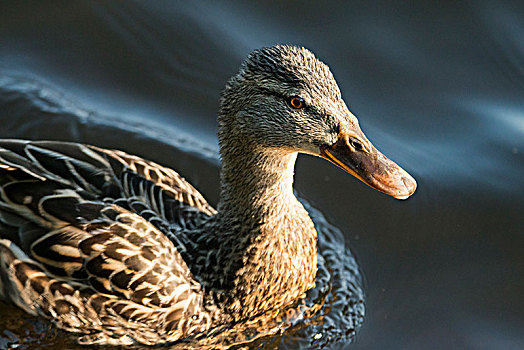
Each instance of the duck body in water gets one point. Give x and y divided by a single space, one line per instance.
125 251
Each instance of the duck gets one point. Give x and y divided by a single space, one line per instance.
120 250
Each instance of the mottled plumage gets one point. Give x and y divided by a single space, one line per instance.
123 250
85 242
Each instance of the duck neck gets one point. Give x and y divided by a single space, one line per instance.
256 185
266 242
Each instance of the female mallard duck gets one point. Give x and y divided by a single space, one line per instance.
123 250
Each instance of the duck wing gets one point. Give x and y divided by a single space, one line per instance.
75 249
129 168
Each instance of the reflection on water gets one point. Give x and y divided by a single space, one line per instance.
438 87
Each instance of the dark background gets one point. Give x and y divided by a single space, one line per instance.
438 87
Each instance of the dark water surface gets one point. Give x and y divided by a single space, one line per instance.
438 87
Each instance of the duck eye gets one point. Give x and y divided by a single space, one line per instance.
297 102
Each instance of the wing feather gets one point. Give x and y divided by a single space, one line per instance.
83 242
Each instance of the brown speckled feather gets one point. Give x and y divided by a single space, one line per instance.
70 252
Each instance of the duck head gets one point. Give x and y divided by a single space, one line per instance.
285 99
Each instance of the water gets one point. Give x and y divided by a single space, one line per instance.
438 87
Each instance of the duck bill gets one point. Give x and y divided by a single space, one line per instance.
370 166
